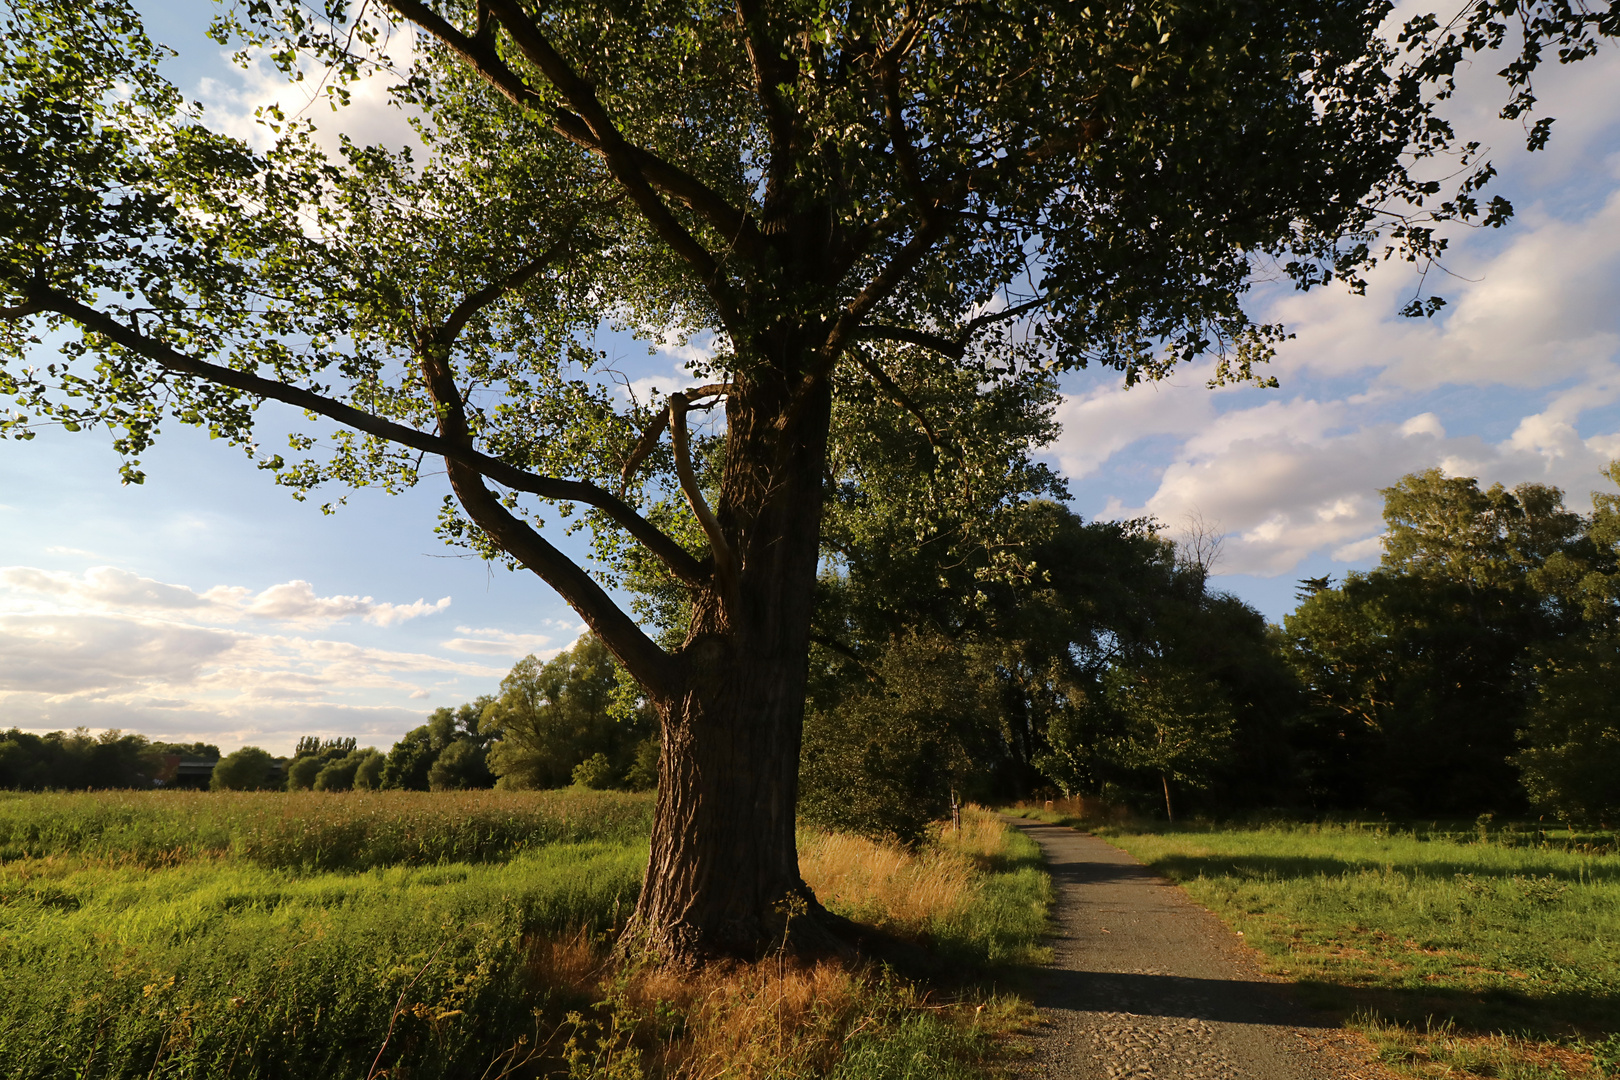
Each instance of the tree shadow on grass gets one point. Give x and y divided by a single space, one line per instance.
1496 1011
1318 1004
1293 867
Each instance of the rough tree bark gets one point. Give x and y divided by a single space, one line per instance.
724 870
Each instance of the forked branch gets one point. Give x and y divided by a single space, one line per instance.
655 431
663 176
725 558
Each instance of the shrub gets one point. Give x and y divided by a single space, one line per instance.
248 769
597 772
643 771
461 766
368 775
301 773
884 760
552 717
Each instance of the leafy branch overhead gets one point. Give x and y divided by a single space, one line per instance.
1049 173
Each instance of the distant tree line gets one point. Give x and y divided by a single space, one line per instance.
65 760
983 646
1476 669
571 720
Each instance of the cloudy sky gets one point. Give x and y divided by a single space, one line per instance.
208 604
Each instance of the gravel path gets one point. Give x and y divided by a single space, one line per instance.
1147 985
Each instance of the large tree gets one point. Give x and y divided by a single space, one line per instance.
1421 670
848 195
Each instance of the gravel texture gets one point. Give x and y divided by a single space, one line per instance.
1147 985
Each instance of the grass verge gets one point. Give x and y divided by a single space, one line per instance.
1456 954
415 937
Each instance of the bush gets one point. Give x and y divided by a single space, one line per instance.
248 769
301 773
552 717
339 775
643 772
596 772
368 776
461 766
884 760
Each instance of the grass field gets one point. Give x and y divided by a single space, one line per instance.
1492 953
453 935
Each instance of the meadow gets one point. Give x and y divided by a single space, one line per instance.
1485 951
414 935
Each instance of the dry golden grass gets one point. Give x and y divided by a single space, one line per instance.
783 1018
897 889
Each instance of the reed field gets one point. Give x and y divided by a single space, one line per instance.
415 935
1484 950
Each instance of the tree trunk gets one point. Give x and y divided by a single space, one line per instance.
1168 815
723 879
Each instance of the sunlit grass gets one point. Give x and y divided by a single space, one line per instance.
198 935
313 830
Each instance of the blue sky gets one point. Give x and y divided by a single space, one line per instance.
208 604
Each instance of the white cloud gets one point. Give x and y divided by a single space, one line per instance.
100 587
77 654
370 118
1361 550
1424 424
1518 379
294 602
110 648
1290 479
492 642
1099 424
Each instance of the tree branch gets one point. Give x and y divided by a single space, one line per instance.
949 347
827 641
622 161
652 666
682 564
655 431
478 51
882 378
877 290
942 345
769 71
643 447
473 303
18 311
905 153
664 176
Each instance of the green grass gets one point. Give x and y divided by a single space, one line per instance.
1007 920
266 935
1496 955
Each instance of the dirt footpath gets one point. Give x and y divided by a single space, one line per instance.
1146 984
